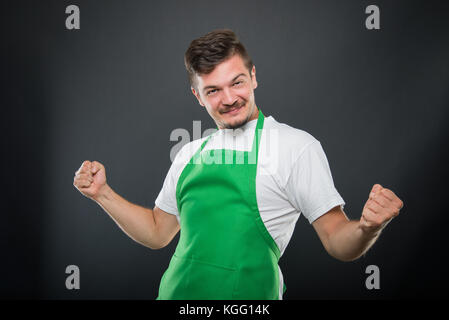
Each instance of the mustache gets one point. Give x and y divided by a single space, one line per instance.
236 104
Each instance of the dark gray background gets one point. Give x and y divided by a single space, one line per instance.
114 90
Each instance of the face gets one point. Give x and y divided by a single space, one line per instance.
227 93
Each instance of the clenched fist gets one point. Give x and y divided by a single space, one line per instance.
382 206
90 179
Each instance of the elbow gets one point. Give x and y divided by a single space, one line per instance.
155 246
343 257
347 259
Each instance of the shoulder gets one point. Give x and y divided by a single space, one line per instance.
291 142
188 150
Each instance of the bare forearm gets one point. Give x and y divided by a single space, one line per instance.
136 221
350 241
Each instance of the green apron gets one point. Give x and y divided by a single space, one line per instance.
224 251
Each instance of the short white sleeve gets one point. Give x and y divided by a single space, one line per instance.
166 200
310 187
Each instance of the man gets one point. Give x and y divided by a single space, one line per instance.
237 194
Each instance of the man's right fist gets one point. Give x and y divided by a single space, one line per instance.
90 179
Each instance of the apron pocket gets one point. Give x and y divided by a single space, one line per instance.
173 282
208 281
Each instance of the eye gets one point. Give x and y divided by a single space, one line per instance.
237 83
211 92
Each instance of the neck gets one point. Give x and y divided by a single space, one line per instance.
255 114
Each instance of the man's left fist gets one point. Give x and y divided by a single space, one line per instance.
382 206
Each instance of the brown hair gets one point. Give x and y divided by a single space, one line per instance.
210 50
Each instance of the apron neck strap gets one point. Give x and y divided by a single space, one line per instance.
258 134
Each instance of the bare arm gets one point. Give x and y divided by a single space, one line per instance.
347 240
151 228
342 238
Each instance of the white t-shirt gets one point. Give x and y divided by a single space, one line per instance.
293 175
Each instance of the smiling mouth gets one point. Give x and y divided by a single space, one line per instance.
234 109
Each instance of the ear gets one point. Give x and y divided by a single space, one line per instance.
197 96
253 77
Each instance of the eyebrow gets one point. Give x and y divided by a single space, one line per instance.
233 79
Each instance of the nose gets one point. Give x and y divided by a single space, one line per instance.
228 98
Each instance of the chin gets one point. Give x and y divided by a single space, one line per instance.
236 123
238 120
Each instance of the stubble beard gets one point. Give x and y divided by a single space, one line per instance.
241 123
